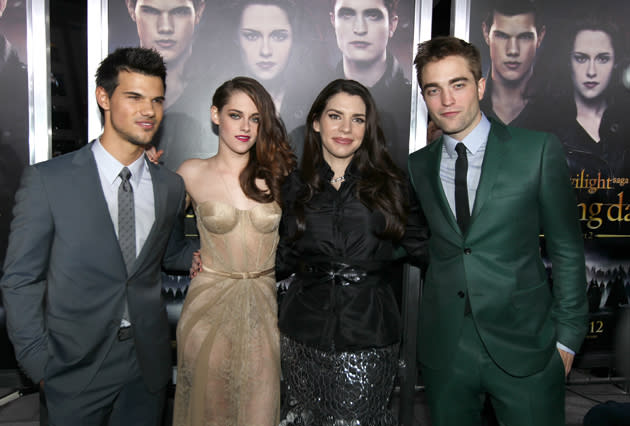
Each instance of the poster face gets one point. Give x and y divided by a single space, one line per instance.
563 68
293 47
13 110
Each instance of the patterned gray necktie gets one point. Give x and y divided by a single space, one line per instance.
126 219
126 224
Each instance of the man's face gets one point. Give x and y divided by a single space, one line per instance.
513 41
167 26
363 29
134 111
452 95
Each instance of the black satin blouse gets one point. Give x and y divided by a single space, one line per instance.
341 296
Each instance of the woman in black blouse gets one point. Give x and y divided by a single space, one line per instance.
347 211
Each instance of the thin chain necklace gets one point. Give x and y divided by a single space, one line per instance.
338 179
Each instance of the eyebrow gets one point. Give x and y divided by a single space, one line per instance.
372 10
346 10
517 35
451 81
241 112
342 113
132 93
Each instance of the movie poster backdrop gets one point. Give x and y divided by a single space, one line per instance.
290 46
582 60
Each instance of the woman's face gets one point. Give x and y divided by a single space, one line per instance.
341 126
265 36
238 122
592 62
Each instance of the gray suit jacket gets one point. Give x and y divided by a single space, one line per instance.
63 254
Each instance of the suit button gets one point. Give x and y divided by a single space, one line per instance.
467 250
461 294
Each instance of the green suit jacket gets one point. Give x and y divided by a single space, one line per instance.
524 190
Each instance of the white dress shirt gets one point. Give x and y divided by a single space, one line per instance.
143 200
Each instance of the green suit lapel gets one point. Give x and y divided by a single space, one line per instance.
433 173
492 163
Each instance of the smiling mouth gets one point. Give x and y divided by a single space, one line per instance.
243 138
146 125
343 141
265 65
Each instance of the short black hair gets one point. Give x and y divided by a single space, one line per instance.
131 59
512 8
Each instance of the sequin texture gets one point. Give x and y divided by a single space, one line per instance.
337 388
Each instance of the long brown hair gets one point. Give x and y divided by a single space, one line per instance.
271 158
382 184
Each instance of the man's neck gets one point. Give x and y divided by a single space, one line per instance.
367 73
508 99
123 151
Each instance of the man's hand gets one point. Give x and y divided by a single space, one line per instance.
567 360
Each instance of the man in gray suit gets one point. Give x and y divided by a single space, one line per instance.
82 275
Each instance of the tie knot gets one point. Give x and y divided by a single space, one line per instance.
125 174
460 148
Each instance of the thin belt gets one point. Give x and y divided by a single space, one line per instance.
240 275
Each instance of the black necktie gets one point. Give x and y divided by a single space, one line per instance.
462 210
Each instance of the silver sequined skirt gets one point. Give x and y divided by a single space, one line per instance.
337 388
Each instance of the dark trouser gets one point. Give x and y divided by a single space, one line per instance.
456 393
117 395
609 413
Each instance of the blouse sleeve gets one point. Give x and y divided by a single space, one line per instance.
286 254
415 241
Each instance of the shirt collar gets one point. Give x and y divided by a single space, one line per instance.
111 167
473 141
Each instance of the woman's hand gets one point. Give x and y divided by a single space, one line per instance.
153 154
196 264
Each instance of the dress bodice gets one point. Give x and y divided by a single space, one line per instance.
234 240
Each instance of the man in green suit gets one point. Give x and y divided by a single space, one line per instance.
490 321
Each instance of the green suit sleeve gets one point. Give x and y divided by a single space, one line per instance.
565 246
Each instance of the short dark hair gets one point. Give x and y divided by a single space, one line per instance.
441 47
131 59
512 8
390 5
196 3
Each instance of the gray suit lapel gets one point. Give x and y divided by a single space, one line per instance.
88 186
160 205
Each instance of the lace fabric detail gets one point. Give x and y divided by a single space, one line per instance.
228 341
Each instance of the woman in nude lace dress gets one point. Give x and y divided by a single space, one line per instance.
228 370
